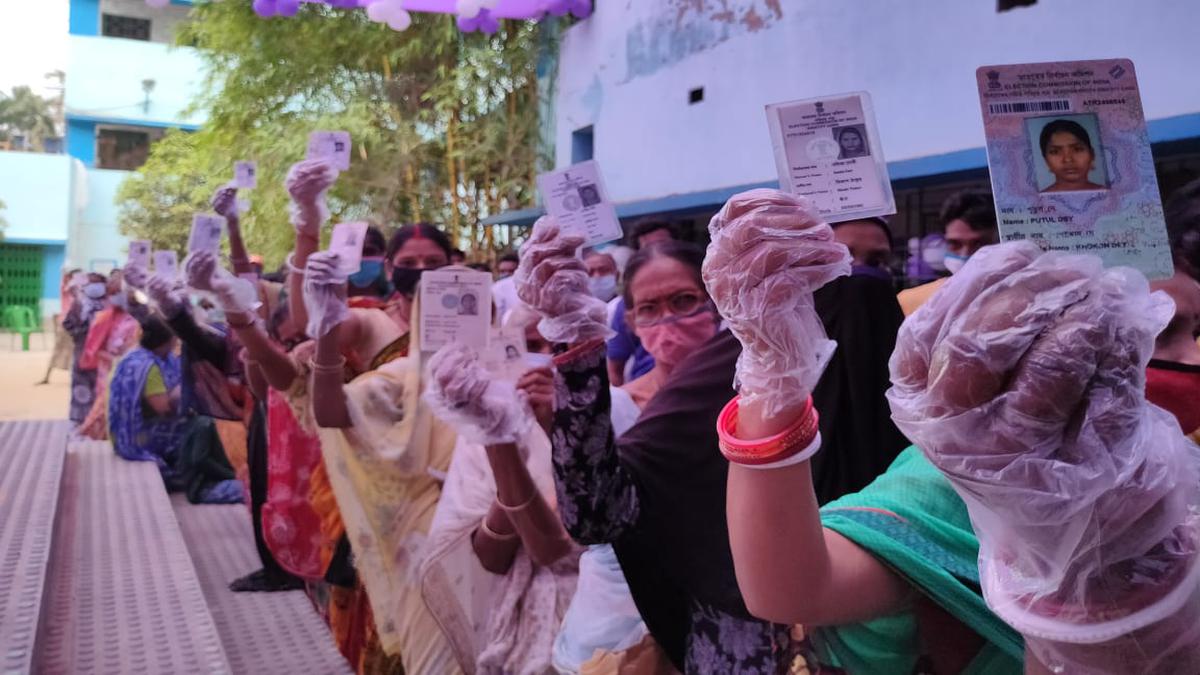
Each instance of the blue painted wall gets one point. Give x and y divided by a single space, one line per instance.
81 141
52 262
85 17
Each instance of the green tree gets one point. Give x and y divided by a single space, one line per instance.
445 126
24 113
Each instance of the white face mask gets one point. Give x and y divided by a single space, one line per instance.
119 299
604 287
954 262
95 290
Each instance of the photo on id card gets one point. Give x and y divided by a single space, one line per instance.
577 200
827 149
1070 161
456 306
207 229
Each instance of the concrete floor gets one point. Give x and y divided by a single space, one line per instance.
20 397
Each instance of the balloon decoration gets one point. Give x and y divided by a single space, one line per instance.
472 15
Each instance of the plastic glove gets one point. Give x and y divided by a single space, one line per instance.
464 394
769 252
164 293
324 293
1023 381
552 280
307 182
235 294
224 201
200 269
135 276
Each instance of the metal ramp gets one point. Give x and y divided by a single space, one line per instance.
123 595
267 633
31 469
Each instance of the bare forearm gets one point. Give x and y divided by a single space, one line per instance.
497 545
237 247
306 245
257 381
328 392
537 524
789 568
616 373
275 366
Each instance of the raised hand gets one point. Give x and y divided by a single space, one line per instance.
324 293
463 393
307 183
1023 381
769 252
552 280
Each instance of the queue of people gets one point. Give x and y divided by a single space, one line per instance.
739 459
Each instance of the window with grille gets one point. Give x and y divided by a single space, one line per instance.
125 27
121 149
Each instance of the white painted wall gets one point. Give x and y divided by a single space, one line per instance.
628 69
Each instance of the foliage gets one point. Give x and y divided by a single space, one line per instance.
24 113
445 125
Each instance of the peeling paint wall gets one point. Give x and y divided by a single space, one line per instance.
628 71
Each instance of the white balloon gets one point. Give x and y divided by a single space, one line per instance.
400 20
379 11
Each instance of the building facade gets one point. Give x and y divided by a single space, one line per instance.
125 86
668 96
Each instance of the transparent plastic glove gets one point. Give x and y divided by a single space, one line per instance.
166 295
235 294
478 405
200 269
553 281
324 293
769 251
307 182
135 277
1023 381
224 201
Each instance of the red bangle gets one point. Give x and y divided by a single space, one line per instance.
798 436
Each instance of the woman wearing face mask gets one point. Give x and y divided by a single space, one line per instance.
382 448
669 310
113 333
370 282
657 494
89 302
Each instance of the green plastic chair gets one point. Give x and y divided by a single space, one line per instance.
20 320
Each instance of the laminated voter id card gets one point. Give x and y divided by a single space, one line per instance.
1070 161
347 242
330 145
139 254
245 175
827 149
456 307
166 265
577 199
207 229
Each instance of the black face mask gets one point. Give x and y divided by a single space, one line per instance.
404 280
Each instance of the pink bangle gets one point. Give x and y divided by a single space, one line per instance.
792 440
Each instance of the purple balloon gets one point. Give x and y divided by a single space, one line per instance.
581 8
264 8
287 7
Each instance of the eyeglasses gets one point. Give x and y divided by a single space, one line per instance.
681 306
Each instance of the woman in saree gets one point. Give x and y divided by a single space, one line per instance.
500 571
383 452
149 422
1043 483
112 334
90 299
657 492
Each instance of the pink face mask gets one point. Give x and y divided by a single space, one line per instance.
672 340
